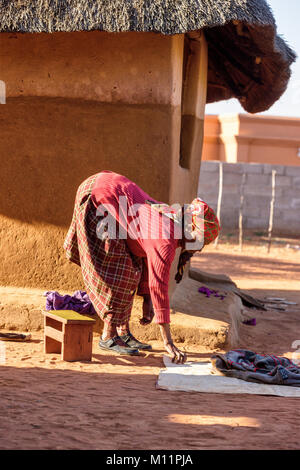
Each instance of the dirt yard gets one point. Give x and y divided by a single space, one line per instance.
112 402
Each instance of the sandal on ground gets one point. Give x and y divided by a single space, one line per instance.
14 337
117 345
132 342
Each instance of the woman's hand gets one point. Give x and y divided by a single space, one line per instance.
177 356
148 312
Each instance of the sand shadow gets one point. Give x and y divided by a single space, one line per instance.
68 409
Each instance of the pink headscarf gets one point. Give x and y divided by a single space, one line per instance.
205 224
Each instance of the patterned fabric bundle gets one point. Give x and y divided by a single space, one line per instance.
260 368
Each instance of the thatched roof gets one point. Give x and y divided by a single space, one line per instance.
247 59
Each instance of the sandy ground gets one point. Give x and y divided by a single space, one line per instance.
112 402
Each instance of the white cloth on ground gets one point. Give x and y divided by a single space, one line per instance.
198 377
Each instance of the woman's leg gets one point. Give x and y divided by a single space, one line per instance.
111 340
109 331
126 336
111 275
123 329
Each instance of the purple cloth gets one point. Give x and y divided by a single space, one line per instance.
208 292
79 302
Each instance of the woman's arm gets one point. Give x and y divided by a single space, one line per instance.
159 264
177 356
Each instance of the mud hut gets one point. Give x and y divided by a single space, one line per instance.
120 85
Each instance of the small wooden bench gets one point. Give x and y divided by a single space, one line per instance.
69 333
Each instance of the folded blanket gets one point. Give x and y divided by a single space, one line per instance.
259 368
79 302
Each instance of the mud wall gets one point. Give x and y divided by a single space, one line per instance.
78 103
44 160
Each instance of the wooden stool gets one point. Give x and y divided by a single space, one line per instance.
69 333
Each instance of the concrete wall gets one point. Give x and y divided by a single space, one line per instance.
252 139
78 103
257 195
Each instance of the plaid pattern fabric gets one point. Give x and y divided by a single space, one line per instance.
110 272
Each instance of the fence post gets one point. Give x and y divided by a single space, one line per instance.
219 197
272 203
242 188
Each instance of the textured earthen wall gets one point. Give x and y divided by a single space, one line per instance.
106 67
43 162
78 103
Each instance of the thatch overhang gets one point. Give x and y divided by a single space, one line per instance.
247 59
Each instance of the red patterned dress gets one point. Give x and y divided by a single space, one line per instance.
114 269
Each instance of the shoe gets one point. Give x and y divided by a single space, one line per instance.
132 342
114 345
